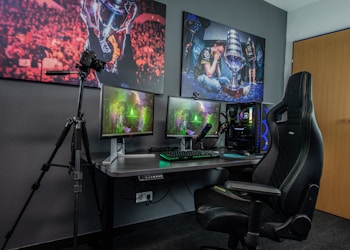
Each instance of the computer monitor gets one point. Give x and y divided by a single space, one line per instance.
186 117
124 113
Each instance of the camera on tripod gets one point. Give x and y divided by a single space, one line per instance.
88 60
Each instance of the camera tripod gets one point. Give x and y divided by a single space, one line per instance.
79 138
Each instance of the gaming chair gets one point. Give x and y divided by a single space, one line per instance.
279 202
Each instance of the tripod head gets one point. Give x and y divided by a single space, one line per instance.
87 61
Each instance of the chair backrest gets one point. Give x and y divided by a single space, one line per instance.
294 159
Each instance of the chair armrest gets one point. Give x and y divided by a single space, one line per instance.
253 189
257 193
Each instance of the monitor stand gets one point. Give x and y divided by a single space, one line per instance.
117 149
183 144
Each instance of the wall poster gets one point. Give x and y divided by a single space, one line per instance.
44 35
220 62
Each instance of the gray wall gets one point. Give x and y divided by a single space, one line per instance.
33 116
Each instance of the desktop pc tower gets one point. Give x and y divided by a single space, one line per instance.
247 129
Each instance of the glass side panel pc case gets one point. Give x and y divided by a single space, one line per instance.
244 125
125 112
186 117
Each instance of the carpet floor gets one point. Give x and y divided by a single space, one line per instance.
181 232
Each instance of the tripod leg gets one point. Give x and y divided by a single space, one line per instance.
36 185
78 176
91 167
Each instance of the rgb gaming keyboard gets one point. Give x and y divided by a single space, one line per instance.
188 155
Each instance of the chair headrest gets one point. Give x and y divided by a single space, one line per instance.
298 88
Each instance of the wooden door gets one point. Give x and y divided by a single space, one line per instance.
327 58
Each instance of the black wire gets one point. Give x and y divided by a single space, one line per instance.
121 144
183 143
130 141
166 193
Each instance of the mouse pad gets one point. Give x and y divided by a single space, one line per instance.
239 156
233 155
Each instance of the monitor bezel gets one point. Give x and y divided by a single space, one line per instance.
126 134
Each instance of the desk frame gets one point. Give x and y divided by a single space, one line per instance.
131 167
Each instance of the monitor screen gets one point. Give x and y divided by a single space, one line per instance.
186 117
125 112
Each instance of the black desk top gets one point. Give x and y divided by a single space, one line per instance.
127 166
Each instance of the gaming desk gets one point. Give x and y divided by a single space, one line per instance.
150 166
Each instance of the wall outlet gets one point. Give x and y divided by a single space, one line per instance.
144 197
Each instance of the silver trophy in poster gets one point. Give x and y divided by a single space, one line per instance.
234 56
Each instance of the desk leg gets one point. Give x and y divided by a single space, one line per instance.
108 214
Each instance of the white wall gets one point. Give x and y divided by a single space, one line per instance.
322 17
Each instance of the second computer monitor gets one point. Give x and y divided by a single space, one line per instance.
186 117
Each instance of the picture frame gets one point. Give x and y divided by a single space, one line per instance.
42 36
237 75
